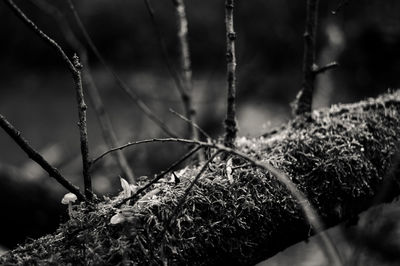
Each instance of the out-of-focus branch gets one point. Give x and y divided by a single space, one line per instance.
186 68
121 84
230 120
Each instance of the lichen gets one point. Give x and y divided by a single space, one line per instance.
339 160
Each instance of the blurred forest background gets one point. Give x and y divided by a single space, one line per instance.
37 93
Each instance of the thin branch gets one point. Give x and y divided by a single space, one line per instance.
186 66
75 69
230 121
205 134
106 127
303 102
171 69
35 156
130 92
309 212
41 34
82 107
159 176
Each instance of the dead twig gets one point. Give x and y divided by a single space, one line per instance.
186 66
121 84
82 107
106 127
75 69
171 69
35 156
205 134
303 102
230 121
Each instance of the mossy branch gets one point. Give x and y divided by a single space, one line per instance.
339 161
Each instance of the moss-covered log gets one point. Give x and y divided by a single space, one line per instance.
339 160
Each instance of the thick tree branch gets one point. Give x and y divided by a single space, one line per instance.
339 161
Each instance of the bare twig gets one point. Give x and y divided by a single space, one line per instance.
35 156
205 134
230 121
82 107
159 176
186 65
93 92
40 33
121 84
303 102
171 69
75 69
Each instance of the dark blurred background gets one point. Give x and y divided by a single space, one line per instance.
38 97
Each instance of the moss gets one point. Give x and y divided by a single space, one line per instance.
338 160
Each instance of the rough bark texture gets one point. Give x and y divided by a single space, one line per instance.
230 121
339 161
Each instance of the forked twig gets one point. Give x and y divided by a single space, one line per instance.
75 69
121 84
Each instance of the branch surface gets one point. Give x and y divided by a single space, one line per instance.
339 161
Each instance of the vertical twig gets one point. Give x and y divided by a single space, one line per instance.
82 107
303 102
35 156
186 65
75 68
171 69
106 127
230 121
121 84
